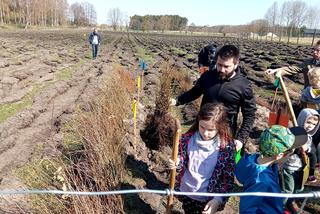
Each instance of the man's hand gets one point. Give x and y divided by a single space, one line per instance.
172 164
270 71
173 102
238 144
277 72
211 207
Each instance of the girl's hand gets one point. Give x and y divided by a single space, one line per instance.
238 144
211 207
305 147
172 164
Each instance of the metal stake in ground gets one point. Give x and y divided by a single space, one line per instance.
174 157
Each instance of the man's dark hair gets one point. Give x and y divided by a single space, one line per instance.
318 42
229 51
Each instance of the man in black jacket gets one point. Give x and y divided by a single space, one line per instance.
228 84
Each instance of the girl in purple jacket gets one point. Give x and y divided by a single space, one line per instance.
206 160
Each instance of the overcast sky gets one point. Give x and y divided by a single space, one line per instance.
200 12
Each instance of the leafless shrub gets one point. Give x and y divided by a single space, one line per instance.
93 158
160 126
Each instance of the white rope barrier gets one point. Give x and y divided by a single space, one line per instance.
313 194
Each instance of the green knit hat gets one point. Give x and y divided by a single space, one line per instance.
278 139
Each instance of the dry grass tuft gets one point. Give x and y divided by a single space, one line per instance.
95 161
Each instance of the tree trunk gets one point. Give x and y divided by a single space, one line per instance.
289 35
280 34
313 36
1 16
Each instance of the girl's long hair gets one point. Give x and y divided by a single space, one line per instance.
217 114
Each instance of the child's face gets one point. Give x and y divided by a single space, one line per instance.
311 123
207 129
315 84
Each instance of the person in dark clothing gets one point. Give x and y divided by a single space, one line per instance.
228 84
94 40
206 57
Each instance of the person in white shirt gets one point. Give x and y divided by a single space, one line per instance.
94 40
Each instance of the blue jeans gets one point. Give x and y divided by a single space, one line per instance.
94 51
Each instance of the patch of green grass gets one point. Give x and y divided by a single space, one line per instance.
88 55
264 64
190 56
39 174
64 74
71 141
142 53
55 58
178 51
10 109
264 93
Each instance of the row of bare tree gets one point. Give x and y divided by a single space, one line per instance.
291 18
83 14
46 13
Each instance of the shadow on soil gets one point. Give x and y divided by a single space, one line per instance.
132 202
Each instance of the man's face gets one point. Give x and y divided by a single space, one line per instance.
226 67
316 52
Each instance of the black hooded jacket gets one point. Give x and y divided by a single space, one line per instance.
234 93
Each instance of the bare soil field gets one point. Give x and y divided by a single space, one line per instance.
46 75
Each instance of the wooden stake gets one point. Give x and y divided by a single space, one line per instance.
174 157
287 98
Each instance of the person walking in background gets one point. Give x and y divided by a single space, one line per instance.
206 161
259 172
226 83
94 40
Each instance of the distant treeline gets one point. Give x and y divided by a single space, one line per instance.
46 13
159 23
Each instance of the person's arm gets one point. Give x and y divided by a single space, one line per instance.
99 39
287 70
248 109
195 92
